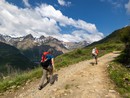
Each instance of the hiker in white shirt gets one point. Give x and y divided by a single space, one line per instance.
95 54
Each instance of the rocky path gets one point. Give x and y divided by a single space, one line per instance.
81 80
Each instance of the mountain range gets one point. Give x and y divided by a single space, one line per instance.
21 42
29 49
33 47
22 52
19 53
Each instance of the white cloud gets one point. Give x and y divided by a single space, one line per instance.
80 35
63 3
127 6
21 22
51 12
119 4
44 20
115 3
26 3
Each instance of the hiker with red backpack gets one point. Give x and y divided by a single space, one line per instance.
95 54
47 63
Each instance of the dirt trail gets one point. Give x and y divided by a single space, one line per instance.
81 80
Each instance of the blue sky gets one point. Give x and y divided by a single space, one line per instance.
67 20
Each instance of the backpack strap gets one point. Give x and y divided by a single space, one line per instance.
44 56
97 51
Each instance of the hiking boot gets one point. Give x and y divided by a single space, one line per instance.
40 87
52 82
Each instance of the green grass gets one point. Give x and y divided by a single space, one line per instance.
121 77
19 80
118 73
85 53
60 61
64 60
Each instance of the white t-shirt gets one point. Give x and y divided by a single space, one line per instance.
93 51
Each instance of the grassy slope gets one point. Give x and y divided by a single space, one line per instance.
120 73
108 44
121 77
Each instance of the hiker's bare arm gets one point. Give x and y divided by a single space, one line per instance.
53 63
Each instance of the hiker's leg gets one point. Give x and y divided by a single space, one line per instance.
43 77
96 59
47 77
51 74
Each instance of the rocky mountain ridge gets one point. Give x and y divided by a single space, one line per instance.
33 47
19 41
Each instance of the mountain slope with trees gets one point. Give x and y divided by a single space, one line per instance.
124 58
119 69
11 60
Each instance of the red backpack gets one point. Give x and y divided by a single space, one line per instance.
97 51
44 56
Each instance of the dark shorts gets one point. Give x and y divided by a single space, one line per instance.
46 63
47 66
94 56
